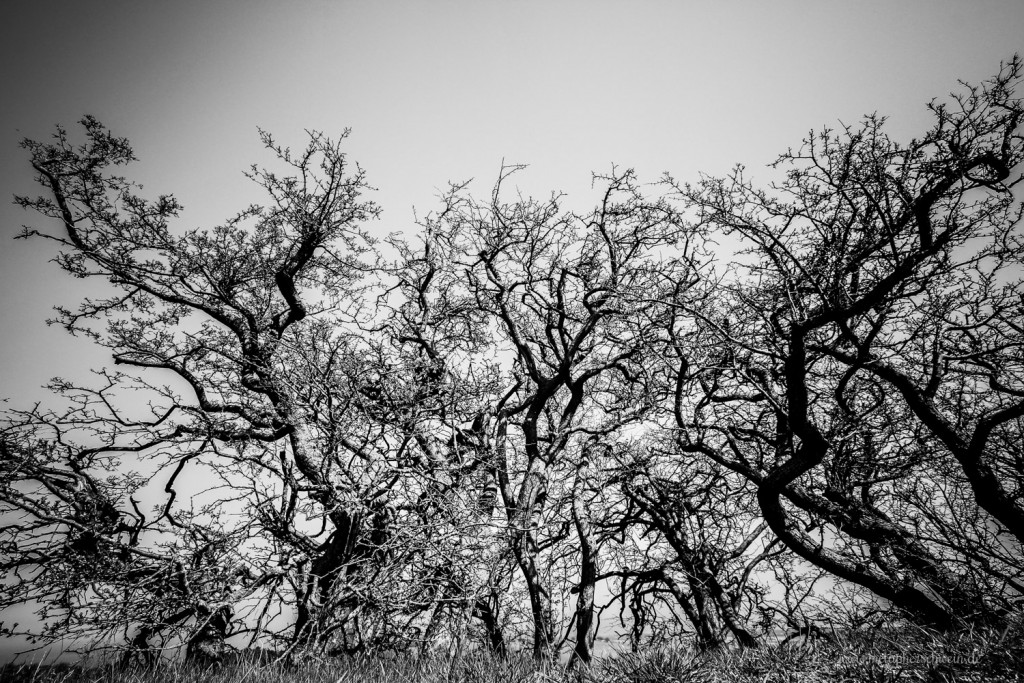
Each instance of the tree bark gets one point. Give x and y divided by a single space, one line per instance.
588 566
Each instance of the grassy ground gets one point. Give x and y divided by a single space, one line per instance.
882 658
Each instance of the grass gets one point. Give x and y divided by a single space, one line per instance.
880 657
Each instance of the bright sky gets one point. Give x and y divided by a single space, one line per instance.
446 90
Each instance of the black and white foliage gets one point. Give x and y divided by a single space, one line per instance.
526 426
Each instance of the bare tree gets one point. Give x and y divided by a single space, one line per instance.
572 302
702 543
873 266
218 317
528 416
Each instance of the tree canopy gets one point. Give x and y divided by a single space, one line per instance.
709 410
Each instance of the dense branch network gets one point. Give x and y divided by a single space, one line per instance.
526 426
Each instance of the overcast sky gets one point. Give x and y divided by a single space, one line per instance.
438 91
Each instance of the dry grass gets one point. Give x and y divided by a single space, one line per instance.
880 657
